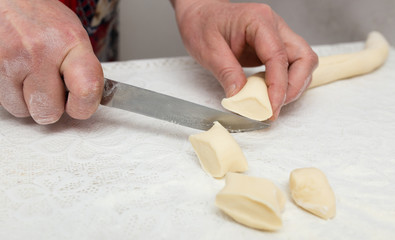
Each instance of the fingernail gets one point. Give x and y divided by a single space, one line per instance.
283 103
307 82
231 90
275 115
277 112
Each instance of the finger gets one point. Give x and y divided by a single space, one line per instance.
11 97
299 79
12 74
272 53
84 79
302 60
220 60
44 95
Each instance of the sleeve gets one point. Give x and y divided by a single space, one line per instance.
100 19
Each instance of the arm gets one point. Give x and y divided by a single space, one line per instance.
43 49
224 37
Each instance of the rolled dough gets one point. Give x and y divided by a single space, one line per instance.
218 151
253 101
251 201
336 67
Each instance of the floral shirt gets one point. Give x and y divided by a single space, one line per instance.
100 19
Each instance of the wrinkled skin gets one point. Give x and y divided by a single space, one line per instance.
43 50
224 37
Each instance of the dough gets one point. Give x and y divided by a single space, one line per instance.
310 190
336 67
218 152
251 201
252 101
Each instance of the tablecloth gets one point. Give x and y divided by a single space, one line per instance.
120 175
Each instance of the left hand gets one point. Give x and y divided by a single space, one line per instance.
224 37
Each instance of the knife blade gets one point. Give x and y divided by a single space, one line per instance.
153 104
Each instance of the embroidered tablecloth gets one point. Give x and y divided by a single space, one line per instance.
120 175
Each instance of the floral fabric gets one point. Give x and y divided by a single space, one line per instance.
100 19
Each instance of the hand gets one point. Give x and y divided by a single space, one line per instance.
224 37
43 49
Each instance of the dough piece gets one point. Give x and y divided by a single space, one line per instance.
310 190
251 201
218 152
252 101
336 67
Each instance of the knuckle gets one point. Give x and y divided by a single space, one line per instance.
91 89
78 35
311 58
35 45
225 75
308 55
84 101
264 9
261 8
53 40
280 56
257 14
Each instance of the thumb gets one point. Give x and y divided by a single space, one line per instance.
83 76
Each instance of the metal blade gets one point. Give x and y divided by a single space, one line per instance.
171 109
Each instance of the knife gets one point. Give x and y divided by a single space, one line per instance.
152 104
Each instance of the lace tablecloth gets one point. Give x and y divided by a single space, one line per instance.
120 175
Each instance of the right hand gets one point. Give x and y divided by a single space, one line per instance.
44 49
225 36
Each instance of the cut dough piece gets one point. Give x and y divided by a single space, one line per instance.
252 101
310 190
336 67
218 151
251 201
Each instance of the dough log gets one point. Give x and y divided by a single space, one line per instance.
336 67
253 101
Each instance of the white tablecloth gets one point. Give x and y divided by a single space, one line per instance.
120 175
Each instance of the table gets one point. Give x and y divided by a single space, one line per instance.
120 175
